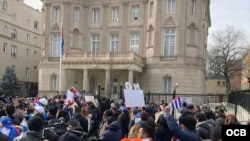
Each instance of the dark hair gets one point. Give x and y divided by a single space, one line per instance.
147 129
52 109
200 116
35 123
73 123
188 121
10 109
110 119
108 113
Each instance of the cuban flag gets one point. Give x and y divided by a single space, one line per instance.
62 42
176 103
75 92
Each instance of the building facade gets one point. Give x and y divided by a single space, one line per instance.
21 41
156 43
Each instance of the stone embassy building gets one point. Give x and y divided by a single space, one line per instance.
156 43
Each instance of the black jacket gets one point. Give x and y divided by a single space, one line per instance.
73 135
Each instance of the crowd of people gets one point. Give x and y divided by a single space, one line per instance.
57 119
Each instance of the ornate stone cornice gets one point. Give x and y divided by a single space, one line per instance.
125 3
66 3
85 6
47 5
105 5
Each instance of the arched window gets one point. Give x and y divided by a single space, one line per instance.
192 34
150 35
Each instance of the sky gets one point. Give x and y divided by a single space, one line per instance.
223 13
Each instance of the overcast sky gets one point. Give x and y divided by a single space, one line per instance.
223 12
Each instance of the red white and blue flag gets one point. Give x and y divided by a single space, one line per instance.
176 103
75 92
62 42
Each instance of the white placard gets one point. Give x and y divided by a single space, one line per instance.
69 96
90 98
188 100
134 98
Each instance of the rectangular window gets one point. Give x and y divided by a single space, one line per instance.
169 42
135 12
56 13
35 55
96 13
28 37
223 83
167 85
13 51
53 81
114 43
134 42
5 29
5 47
56 44
218 84
35 40
27 72
27 53
36 25
95 43
193 6
170 6
115 14
76 14
4 5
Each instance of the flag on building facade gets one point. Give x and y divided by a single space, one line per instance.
62 42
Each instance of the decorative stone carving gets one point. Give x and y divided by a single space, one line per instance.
170 21
56 27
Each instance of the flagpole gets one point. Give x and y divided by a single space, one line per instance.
60 64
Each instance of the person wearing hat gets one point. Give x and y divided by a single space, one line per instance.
8 129
220 115
73 133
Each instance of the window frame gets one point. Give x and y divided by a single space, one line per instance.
135 42
114 42
95 15
169 42
95 43
135 12
76 14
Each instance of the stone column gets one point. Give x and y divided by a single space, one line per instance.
64 80
130 76
85 80
107 83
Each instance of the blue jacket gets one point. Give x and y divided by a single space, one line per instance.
113 132
177 132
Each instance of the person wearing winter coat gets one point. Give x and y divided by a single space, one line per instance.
113 131
74 131
187 131
202 127
35 125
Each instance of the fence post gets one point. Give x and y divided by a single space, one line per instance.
236 104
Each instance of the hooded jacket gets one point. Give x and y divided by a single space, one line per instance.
113 132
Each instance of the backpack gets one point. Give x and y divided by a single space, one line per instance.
14 132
